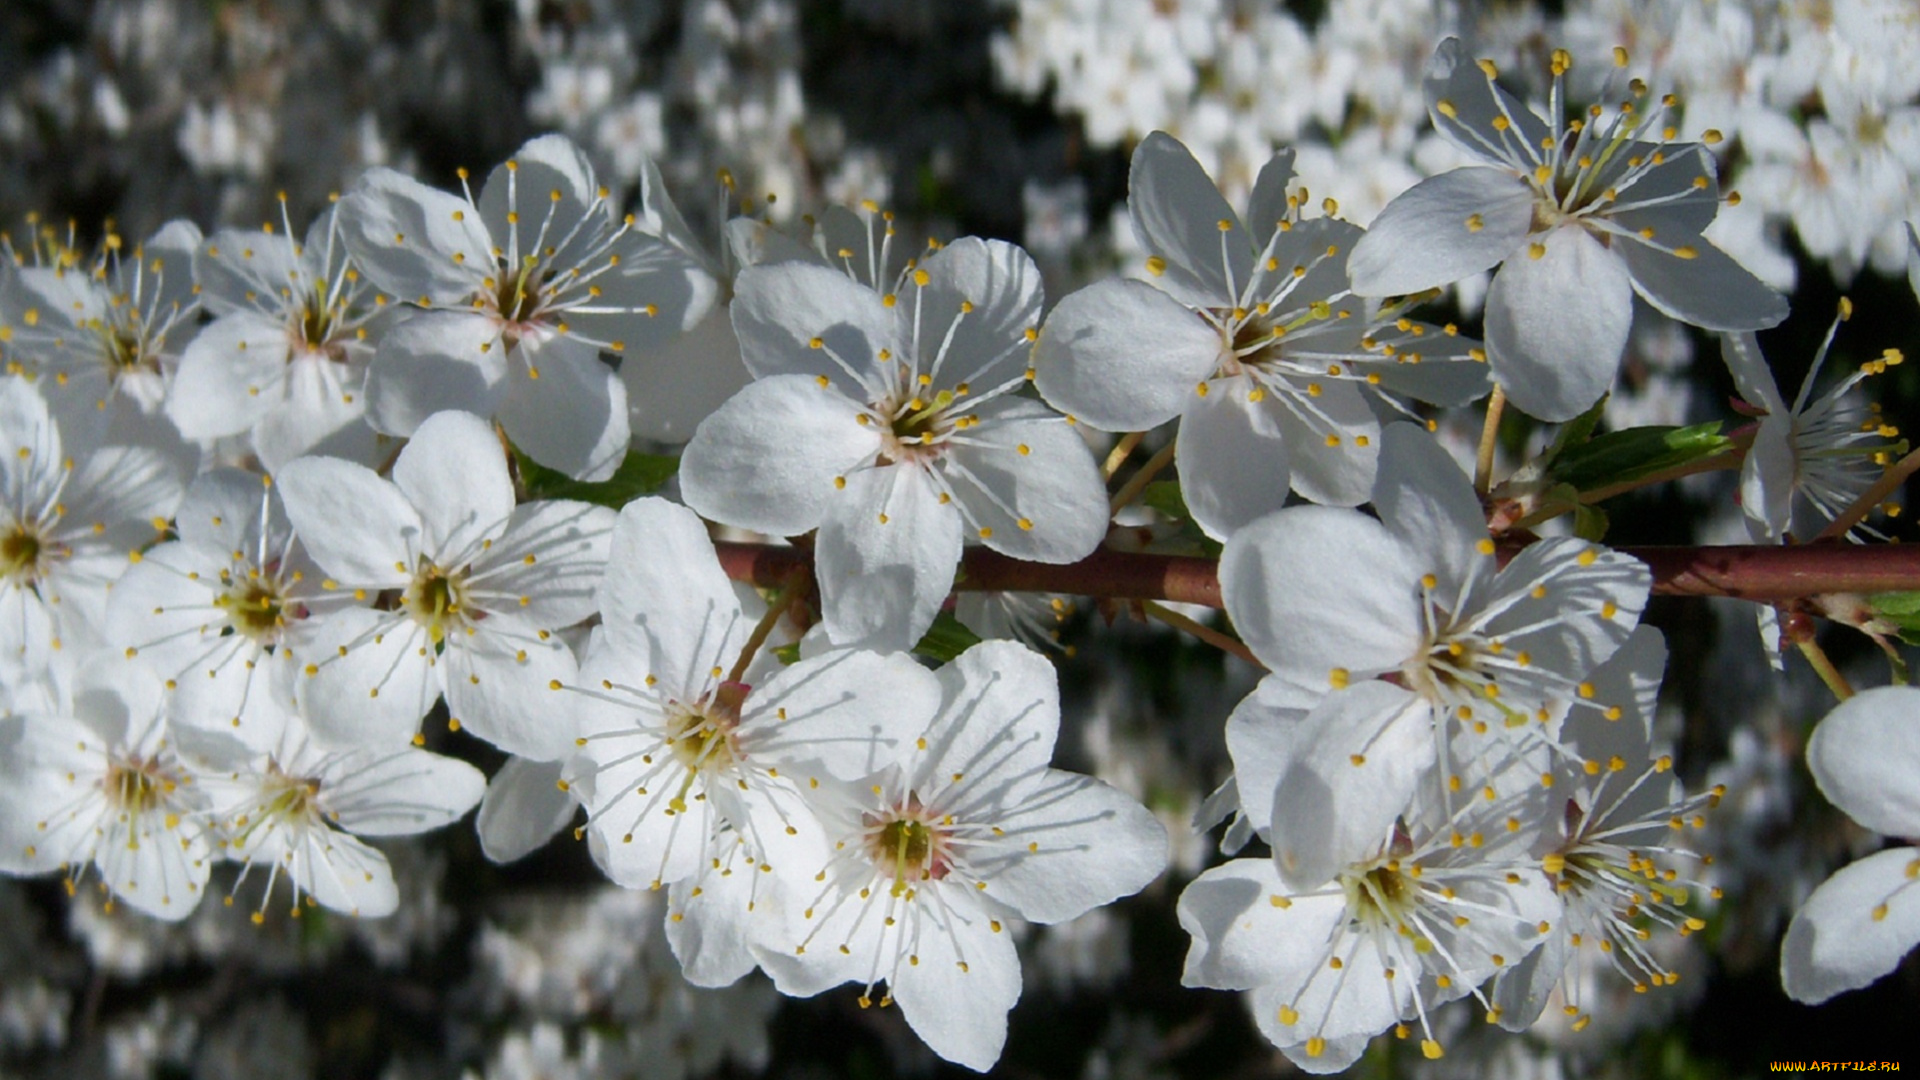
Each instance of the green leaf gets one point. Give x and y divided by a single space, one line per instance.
1636 454
1902 610
639 474
1575 432
1163 497
1590 523
946 639
787 654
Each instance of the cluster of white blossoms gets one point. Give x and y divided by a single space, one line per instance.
1818 102
272 500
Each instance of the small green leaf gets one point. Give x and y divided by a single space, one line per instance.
787 654
1590 523
1164 498
1902 610
946 639
1575 432
639 474
1637 453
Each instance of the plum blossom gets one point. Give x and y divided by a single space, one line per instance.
962 831
465 590
299 809
1601 208
98 782
284 362
889 422
520 291
70 517
1247 331
698 752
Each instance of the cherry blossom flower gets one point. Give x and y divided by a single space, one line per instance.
99 782
1278 364
1861 921
106 330
465 590
1602 207
1332 600
697 752
521 291
933 856
1810 460
889 422
220 611
299 809
1418 906
67 529
285 360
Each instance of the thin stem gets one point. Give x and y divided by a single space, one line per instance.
1862 506
1202 631
1120 451
1824 668
1489 437
775 608
1138 482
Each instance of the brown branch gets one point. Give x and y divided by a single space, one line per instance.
1749 572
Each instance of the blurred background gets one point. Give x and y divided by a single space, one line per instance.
1001 118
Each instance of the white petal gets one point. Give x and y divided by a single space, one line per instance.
767 459
1233 458
671 388
1708 289
499 678
570 412
1472 103
1329 473
885 557
1122 355
229 376
1261 735
358 527
1442 229
1426 501
1866 758
961 1014
400 792
432 361
454 472
1355 764
1835 944
375 692
1179 216
1313 589
1267 206
322 411
548 565
780 310
849 711
1093 845
244 269
1556 324
1242 939
524 807
666 600
1000 287
999 716
1024 464
1752 377
404 235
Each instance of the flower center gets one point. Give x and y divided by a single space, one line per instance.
20 553
701 736
436 599
255 610
908 844
136 785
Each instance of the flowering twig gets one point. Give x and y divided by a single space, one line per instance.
1758 572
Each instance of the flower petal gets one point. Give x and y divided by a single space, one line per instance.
1122 355
1205 253
1028 484
885 557
1556 324
1355 764
665 599
404 236
570 413
358 527
1706 287
1836 944
768 458
454 473
1866 758
780 310
986 295
524 807
1442 229
434 361
1234 461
